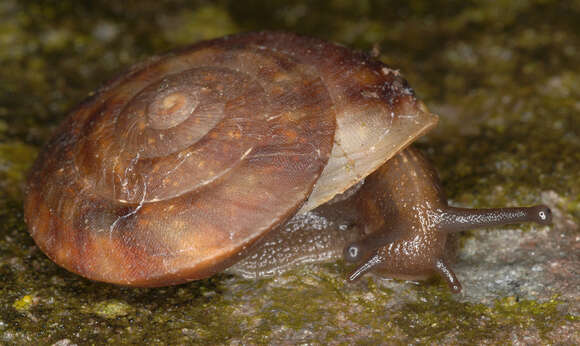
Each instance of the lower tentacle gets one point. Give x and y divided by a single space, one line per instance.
448 275
369 264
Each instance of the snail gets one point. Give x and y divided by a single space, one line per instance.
203 159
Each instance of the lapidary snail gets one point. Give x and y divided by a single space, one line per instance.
223 151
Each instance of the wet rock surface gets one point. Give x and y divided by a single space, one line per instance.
502 75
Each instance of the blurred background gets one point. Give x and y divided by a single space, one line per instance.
504 77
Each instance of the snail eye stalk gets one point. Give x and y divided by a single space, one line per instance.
462 219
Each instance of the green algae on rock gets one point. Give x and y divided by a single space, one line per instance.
15 160
112 309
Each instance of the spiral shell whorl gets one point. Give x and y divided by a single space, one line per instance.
209 134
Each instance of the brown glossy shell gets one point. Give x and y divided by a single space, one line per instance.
169 172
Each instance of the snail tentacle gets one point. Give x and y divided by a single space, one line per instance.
448 275
375 260
452 219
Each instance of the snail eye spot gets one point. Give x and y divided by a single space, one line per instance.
352 253
542 215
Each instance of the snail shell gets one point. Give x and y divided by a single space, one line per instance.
170 172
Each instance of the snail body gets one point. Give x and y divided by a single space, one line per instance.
396 225
182 166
